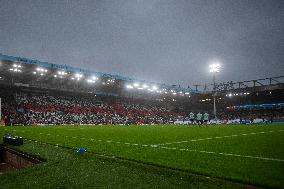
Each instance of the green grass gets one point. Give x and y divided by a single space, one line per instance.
252 154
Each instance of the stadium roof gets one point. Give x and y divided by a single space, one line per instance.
71 69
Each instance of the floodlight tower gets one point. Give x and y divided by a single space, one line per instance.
214 68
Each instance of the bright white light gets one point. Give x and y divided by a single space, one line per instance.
55 76
17 66
129 86
150 90
180 92
187 93
136 84
174 93
62 73
166 92
15 70
230 95
94 78
145 86
72 78
154 87
91 81
78 76
41 70
140 88
214 68
248 93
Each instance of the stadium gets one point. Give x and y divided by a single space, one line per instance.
71 126
145 122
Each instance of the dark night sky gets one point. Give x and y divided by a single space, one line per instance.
169 41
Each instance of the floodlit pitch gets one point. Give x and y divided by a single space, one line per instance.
244 153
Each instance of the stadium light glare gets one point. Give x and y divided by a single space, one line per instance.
16 66
136 84
42 70
154 87
78 76
145 86
91 81
15 70
214 68
129 86
61 73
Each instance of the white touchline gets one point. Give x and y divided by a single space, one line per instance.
217 137
190 150
225 154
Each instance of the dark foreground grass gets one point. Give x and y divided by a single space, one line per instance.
65 169
251 154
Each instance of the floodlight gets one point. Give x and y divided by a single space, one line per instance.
187 93
129 86
136 84
214 68
62 73
145 86
17 66
174 93
91 81
78 76
154 87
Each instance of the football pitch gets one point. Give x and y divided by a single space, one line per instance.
247 154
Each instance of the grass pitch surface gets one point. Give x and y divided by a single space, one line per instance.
252 154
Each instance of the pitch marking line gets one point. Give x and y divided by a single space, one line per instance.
225 154
182 149
218 137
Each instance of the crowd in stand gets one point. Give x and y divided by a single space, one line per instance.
32 109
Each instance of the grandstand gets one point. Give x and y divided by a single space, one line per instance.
136 127
127 100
